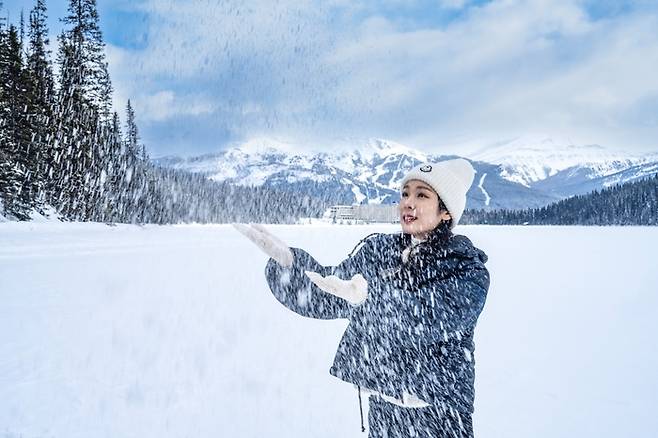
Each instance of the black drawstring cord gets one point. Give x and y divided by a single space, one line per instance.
357 246
363 429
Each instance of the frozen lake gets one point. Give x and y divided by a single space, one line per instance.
171 331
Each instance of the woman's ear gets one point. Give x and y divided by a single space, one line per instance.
445 215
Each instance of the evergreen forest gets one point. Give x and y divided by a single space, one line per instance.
63 150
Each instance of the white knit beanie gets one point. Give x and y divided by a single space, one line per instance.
450 179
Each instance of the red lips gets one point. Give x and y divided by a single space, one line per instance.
407 218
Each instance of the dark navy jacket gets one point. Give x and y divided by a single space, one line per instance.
414 332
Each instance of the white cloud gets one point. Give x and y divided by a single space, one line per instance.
508 67
165 105
341 68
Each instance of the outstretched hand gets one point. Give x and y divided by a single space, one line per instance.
268 242
355 290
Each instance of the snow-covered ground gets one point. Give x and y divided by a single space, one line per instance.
171 332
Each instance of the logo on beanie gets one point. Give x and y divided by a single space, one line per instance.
426 168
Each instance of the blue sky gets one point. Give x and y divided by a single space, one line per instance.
438 75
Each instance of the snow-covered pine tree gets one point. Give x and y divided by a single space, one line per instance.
85 34
132 132
6 180
2 18
94 179
109 208
105 91
38 58
75 127
41 98
80 103
18 181
21 28
133 188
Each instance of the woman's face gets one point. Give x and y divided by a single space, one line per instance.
419 209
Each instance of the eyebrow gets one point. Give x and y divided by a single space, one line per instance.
406 186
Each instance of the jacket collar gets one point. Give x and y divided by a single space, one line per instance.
438 237
443 242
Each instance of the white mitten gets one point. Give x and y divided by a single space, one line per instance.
268 242
355 290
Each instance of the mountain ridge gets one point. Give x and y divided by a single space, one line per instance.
520 173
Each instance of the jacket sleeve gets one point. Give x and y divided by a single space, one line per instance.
292 287
436 310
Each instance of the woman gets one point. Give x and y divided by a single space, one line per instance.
413 300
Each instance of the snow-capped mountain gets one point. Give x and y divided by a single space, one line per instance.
526 172
527 160
369 174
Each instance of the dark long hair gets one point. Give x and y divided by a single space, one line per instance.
442 207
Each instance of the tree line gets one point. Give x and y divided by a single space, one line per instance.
63 149
631 203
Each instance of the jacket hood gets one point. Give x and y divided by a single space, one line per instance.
462 245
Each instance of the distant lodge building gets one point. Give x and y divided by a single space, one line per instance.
363 213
